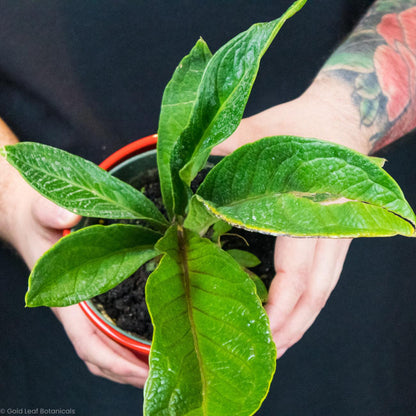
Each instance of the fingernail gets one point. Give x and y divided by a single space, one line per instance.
281 351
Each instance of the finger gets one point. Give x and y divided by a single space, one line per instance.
51 216
105 355
112 365
96 371
328 261
293 263
46 223
120 350
138 382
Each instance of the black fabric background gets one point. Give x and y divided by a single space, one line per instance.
88 77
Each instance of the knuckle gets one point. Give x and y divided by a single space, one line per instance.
81 354
296 338
299 283
94 370
317 301
120 370
297 279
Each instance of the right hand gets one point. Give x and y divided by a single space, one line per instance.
307 269
32 224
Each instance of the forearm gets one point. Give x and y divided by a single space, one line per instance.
6 135
365 95
8 179
376 66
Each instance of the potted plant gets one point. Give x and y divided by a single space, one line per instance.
119 313
125 164
212 351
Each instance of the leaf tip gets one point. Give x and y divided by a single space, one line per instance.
29 301
379 161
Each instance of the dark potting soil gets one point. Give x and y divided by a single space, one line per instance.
125 304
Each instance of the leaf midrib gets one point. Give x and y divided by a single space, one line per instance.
183 256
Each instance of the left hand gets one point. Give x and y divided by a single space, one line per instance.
102 356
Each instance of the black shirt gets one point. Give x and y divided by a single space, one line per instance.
88 76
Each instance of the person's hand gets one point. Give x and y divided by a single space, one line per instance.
102 356
32 224
307 269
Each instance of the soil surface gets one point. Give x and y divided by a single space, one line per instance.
125 304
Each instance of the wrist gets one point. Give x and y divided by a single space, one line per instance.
329 107
324 111
10 187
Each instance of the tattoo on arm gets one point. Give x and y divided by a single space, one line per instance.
378 60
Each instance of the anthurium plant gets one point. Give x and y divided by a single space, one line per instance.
212 350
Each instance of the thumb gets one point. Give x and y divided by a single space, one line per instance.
50 215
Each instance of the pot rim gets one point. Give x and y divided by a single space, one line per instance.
123 338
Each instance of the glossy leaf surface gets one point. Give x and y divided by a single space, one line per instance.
223 94
261 289
89 262
78 185
199 218
291 185
212 350
177 104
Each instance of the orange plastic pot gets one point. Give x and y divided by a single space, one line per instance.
121 160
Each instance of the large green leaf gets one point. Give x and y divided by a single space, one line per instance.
78 185
89 262
291 185
177 104
212 350
222 95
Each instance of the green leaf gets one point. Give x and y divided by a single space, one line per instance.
89 262
212 350
244 258
222 96
177 104
292 185
261 289
78 185
379 161
199 218
219 229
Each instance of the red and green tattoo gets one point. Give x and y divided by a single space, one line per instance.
379 61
